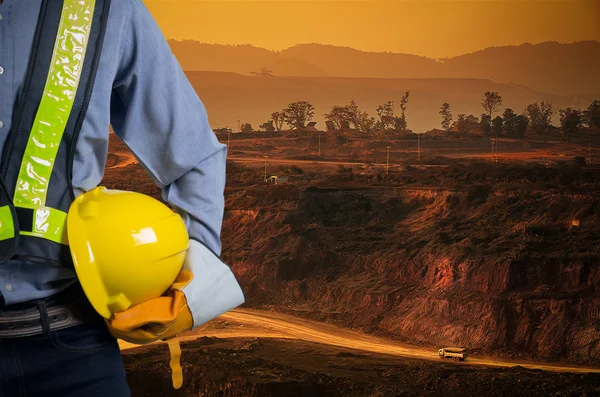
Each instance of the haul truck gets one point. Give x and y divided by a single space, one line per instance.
455 353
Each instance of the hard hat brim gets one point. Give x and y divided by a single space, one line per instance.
85 265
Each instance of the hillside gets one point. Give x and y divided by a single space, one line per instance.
229 96
547 67
477 256
551 67
194 56
473 253
348 62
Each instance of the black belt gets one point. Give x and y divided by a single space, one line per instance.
46 316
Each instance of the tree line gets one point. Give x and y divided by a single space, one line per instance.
536 117
299 114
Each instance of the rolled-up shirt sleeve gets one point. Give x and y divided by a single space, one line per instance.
158 115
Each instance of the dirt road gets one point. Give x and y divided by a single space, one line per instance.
238 159
247 323
323 162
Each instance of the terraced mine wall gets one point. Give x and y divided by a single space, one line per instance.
505 272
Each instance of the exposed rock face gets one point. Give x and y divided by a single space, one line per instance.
498 270
507 261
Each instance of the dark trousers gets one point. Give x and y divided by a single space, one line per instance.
81 361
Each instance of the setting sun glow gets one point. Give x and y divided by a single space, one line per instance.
435 29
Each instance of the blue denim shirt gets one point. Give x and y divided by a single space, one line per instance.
142 91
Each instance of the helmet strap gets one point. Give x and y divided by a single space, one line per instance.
175 351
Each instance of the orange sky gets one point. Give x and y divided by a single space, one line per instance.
424 27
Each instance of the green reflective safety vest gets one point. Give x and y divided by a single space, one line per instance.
37 162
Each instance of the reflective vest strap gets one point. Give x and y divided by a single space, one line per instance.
43 222
36 162
55 107
7 229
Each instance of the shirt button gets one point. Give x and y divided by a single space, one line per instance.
1 70
9 287
0 16
1 123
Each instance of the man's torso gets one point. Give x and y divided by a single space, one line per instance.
23 281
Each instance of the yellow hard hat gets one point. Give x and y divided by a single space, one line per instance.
127 247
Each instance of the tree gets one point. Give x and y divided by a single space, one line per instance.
497 125
540 116
339 115
485 126
471 121
461 123
592 114
359 120
354 114
366 123
465 123
521 124
446 116
570 120
510 122
297 114
264 72
247 128
401 124
278 120
386 116
491 101
267 126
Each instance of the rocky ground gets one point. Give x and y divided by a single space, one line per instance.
278 368
502 258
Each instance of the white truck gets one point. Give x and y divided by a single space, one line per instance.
454 353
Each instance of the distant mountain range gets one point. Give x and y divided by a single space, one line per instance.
550 67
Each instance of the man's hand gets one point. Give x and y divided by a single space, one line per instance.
157 319
203 290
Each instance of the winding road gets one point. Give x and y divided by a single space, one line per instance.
248 323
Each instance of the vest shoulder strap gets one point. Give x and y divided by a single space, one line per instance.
36 165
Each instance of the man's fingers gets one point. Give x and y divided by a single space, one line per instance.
163 310
159 310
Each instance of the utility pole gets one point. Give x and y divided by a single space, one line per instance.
387 164
239 126
266 159
493 153
419 146
228 137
